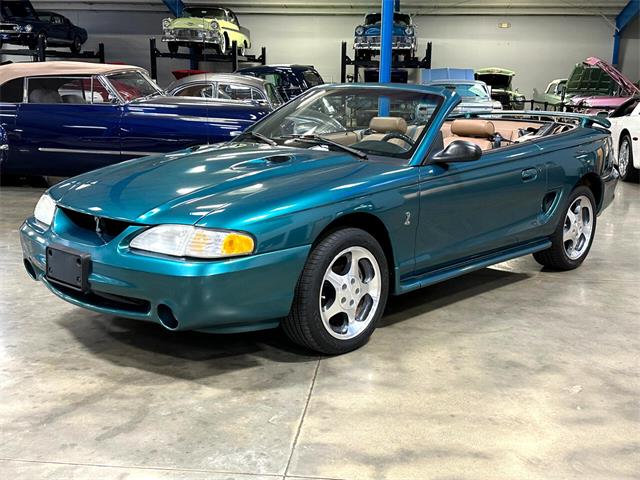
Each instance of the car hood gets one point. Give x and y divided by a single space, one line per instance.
188 185
627 85
193 106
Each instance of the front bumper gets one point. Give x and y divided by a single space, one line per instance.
373 43
241 294
19 38
190 35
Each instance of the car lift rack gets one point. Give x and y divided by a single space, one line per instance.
197 56
413 62
40 54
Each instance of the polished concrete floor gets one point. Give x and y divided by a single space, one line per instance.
508 373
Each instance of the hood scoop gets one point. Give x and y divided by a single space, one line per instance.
260 163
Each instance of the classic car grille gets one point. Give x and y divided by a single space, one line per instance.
109 228
187 33
8 27
376 39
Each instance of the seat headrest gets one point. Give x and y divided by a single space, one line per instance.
388 124
464 127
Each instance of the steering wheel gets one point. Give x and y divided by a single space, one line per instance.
405 138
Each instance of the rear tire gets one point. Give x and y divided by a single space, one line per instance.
628 173
341 293
572 239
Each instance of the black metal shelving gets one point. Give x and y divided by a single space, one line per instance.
196 56
357 64
41 53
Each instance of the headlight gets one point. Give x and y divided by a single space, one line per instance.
497 105
215 25
45 208
188 241
166 22
409 30
520 98
359 30
28 27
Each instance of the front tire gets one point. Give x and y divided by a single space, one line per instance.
628 173
173 47
574 234
76 46
341 294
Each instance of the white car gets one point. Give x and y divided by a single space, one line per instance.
625 132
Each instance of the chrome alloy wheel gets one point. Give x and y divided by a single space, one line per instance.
350 293
578 228
623 158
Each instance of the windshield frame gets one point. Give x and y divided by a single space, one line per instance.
204 7
405 160
107 80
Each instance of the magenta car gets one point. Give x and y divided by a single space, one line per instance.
595 85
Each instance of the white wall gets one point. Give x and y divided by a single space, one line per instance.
538 48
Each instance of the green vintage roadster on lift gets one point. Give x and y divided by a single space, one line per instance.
314 215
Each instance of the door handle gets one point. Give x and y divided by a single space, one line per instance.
529 174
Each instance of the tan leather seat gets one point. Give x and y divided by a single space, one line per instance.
476 131
382 126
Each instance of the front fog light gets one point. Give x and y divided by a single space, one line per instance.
189 241
45 208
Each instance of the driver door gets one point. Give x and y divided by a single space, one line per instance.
473 208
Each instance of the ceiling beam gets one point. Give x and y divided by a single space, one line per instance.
360 7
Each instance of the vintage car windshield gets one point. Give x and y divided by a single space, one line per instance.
16 9
203 12
400 18
375 121
133 85
474 91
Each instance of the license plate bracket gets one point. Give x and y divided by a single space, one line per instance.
68 268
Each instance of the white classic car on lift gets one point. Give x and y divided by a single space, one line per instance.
625 132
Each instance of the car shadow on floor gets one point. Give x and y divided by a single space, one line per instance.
440 295
192 355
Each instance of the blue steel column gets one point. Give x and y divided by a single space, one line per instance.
628 13
175 6
386 42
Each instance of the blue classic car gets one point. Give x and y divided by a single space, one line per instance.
318 212
290 80
65 118
20 24
367 35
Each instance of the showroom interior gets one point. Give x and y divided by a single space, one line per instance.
322 240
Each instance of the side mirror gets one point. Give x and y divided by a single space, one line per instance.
602 114
458 151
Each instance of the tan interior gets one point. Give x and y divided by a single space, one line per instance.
478 131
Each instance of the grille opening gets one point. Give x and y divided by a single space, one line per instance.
108 227
106 300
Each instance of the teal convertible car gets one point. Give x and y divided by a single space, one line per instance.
312 217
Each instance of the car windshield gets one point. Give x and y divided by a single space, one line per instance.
133 85
16 9
203 12
474 91
400 18
376 121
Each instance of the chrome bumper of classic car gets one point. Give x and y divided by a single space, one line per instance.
191 35
373 43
